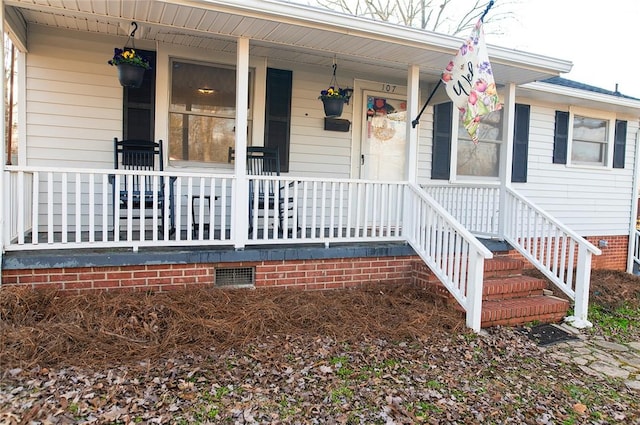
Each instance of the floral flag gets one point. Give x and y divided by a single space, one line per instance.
469 81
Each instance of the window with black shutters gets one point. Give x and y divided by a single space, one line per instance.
443 116
589 138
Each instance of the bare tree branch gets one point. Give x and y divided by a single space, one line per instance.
445 16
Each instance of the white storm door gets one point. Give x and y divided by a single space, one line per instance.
384 143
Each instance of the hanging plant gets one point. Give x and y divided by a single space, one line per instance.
131 65
334 97
333 101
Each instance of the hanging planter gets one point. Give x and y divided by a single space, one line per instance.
130 75
131 66
334 98
333 106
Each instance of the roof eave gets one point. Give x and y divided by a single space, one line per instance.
329 20
584 95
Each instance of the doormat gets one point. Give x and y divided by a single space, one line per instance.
549 334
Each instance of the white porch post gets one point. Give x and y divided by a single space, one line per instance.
474 290
632 248
508 123
413 97
583 276
3 155
240 209
411 160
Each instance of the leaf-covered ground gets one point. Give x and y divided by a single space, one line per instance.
375 355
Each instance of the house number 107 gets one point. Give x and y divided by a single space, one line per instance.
389 88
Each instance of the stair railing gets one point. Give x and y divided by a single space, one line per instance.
562 255
453 254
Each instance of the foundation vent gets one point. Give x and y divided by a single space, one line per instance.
235 276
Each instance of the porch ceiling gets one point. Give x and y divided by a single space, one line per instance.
284 32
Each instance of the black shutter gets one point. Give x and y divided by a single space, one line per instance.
561 138
278 113
619 145
520 144
441 152
138 110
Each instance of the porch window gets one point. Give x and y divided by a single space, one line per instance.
481 159
202 112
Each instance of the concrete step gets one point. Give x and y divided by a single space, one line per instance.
518 311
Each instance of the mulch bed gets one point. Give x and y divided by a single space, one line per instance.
49 329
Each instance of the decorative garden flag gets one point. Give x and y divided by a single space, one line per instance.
469 81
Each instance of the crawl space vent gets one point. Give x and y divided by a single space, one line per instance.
235 276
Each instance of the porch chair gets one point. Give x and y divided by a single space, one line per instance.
141 155
266 162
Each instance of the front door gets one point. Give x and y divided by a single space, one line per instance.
383 144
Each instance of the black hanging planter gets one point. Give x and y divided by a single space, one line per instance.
333 107
130 64
130 75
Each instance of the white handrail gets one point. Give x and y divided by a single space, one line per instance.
452 253
562 255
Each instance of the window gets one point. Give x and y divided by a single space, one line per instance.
202 112
589 138
481 159
489 162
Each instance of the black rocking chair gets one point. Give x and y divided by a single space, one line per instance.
270 194
140 155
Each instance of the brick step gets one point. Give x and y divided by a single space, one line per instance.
512 287
501 266
518 311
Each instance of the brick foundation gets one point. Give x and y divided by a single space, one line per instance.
308 274
300 274
613 257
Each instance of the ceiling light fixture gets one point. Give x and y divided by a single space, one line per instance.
204 90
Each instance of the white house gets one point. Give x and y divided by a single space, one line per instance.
363 197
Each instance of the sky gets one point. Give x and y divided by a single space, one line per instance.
600 38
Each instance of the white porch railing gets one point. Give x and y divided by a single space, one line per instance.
52 208
454 255
326 211
74 208
562 255
476 206
636 249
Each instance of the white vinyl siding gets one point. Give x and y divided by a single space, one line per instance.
589 200
315 151
74 101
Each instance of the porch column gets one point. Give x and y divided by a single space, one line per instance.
631 246
508 125
413 97
3 155
240 209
